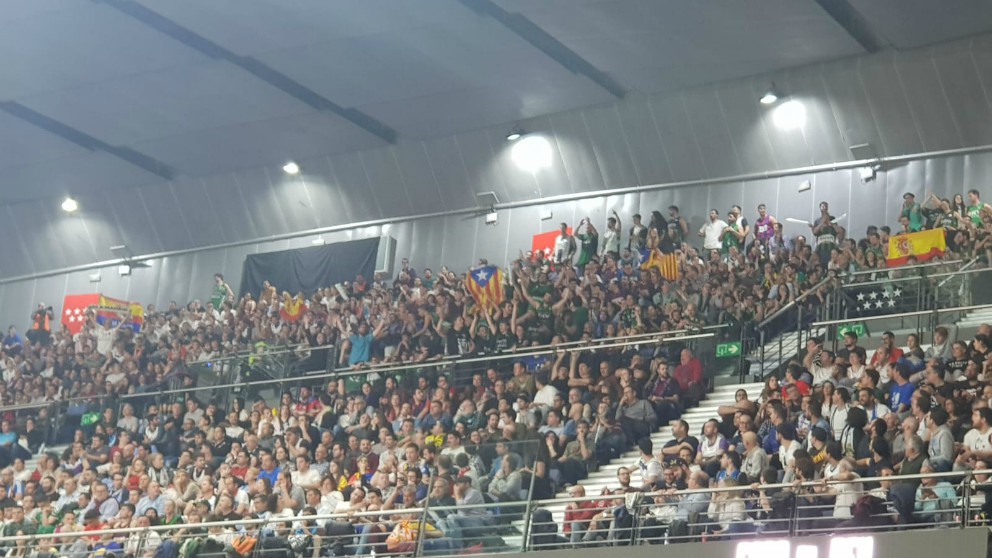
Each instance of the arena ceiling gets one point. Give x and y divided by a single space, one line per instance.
106 93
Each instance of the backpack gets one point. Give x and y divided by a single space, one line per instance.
243 545
189 548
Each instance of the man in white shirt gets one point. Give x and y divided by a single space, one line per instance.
977 446
304 476
565 247
874 409
788 446
712 232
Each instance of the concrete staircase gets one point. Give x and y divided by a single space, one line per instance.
696 417
975 318
777 351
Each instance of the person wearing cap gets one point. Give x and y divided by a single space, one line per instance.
912 211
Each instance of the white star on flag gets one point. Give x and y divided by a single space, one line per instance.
897 292
68 312
861 296
878 304
867 306
482 275
79 311
886 294
873 295
892 303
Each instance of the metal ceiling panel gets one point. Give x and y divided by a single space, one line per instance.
850 105
826 144
914 23
970 106
235 217
643 141
86 43
645 44
386 182
418 175
137 231
322 192
199 212
260 196
684 153
744 123
479 156
582 171
609 144
889 105
711 132
69 235
450 172
170 102
167 219
99 225
927 100
353 182
292 197
22 144
35 230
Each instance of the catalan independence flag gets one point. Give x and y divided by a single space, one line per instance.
486 285
923 245
667 264
117 312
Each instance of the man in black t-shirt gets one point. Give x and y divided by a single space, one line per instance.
682 439
850 345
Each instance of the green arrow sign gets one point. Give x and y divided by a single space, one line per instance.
857 327
724 350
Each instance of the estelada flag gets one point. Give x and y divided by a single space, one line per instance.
486 285
545 242
667 264
74 309
923 245
120 312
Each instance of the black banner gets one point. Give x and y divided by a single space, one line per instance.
307 269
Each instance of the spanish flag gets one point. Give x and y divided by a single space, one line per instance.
923 245
292 308
667 264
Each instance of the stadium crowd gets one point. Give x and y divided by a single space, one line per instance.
403 439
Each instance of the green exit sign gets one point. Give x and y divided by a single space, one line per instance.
724 350
857 327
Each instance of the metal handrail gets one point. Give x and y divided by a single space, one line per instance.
916 313
534 504
900 268
801 297
964 269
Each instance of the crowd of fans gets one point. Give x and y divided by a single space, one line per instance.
404 438
850 417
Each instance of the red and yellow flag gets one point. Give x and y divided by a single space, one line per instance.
667 264
923 245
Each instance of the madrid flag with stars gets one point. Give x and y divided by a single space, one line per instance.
486 285
112 310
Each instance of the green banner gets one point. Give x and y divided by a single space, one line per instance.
724 350
857 327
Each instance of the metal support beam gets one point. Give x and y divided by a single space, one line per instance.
855 24
543 41
84 140
253 66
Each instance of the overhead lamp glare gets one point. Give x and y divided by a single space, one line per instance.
291 168
516 133
770 96
69 205
790 115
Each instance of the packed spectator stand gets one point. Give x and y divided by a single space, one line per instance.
396 396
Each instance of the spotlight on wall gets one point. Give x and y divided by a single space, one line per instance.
770 96
491 218
867 174
69 205
516 133
790 115
532 153
319 241
124 270
95 277
291 168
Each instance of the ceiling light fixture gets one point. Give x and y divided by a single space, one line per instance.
532 153
69 205
516 133
291 168
770 96
790 115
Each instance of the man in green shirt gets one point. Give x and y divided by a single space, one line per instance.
588 242
976 208
912 211
733 235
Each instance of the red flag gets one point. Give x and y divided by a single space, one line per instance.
545 242
74 310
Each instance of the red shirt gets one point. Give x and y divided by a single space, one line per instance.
894 356
689 373
803 387
583 512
